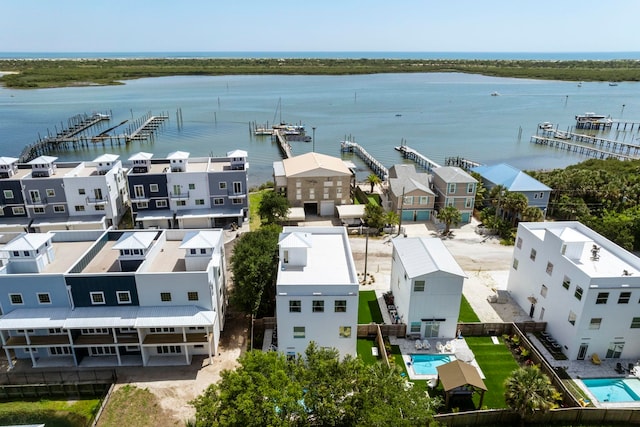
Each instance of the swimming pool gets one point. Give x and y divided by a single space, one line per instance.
614 389
426 364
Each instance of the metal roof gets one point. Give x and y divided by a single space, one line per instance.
315 164
141 156
350 211
34 318
102 317
422 255
511 178
237 153
106 158
176 316
178 155
135 240
8 160
201 239
28 242
42 159
453 174
296 239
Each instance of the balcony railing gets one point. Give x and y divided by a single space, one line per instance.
180 195
96 201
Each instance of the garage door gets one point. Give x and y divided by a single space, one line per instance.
407 215
465 217
423 215
196 222
327 207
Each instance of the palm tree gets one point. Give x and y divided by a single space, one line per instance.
449 215
515 203
528 390
373 179
391 218
532 214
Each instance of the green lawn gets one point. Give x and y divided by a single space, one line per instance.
497 363
254 204
368 308
467 314
52 413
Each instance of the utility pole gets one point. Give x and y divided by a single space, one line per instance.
366 254
401 206
314 139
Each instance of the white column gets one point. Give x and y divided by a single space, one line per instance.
73 349
209 341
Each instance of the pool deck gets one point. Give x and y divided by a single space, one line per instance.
459 350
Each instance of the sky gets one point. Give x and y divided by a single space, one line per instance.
319 25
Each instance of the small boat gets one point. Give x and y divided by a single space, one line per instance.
561 135
545 126
495 94
613 84
580 84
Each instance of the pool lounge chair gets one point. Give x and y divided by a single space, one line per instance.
426 345
595 359
418 345
439 347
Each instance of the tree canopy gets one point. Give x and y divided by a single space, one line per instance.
311 390
253 265
528 390
450 215
273 207
374 216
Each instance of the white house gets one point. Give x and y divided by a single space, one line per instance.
584 286
426 282
317 290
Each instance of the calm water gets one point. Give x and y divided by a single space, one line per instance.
440 114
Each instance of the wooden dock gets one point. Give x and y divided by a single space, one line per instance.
604 144
567 145
375 166
419 159
624 125
461 162
146 129
283 144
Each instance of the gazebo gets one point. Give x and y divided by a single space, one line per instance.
460 379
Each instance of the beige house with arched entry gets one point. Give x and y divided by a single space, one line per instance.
313 181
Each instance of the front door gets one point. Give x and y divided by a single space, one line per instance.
615 350
531 310
582 351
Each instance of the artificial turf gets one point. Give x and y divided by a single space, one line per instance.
368 308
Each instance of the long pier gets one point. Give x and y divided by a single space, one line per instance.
419 159
461 162
604 144
579 148
375 166
283 144
147 128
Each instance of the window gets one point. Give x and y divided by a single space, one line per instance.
218 201
38 210
124 297
161 203
549 268
56 331
97 297
138 191
418 286
222 185
344 331
602 297
35 196
142 205
595 323
79 208
165 296
635 323
17 210
298 331
515 263
572 317
519 243
424 200
59 351
16 299
566 282
59 208
318 306
203 251
99 207
624 297
192 186
162 330
340 306
295 306
470 187
533 254
181 203
94 331
578 293
415 327
169 349
44 298
192 296
8 194
408 200
153 188
236 201
468 203
81 191
543 291
199 202
452 188
312 193
237 187
51 192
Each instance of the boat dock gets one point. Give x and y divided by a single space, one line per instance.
283 144
419 159
597 153
375 166
604 144
461 162
146 129
624 125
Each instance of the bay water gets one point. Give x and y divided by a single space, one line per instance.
439 114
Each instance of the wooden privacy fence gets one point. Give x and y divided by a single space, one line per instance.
371 330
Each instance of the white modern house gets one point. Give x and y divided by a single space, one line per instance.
584 286
316 290
426 282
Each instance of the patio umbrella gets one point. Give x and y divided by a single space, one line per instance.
464 354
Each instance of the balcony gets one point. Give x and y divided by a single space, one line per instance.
96 201
179 196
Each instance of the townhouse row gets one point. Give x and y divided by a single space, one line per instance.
96 298
174 192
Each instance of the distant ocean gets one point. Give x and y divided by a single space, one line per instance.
547 56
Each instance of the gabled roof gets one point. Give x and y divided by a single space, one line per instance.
141 156
28 242
7 160
200 239
295 239
107 158
423 255
237 153
135 240
453 174
177 155
314 164
42 159
457 374
405 177
511 178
